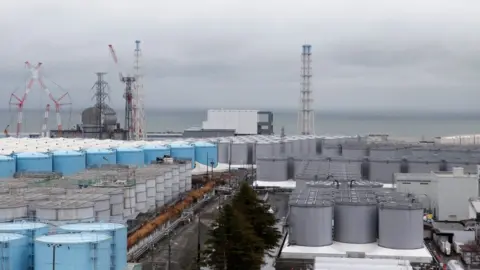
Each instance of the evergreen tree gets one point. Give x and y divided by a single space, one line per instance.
259 216
233 244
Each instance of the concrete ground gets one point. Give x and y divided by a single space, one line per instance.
184 243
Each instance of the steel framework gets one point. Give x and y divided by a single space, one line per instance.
306 116
20 102
138 97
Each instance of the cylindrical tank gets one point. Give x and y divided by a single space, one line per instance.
116 195
400 225
130 156
117 232
7 166
272 169
239 153
404 166
168 186
183 150
14 250
96 157
141 195
382 170
101 203
175 182
223 150
152 152
318 146
160 190
12 207
263 150
65 210
86 251
354 150
31 230
68 162
206 153
303 210
365 169
33 162
355 218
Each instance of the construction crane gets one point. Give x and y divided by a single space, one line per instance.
20 102
128 95
45 121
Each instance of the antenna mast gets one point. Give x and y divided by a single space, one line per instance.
306 117
139 104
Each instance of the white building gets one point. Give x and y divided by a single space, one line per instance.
447 194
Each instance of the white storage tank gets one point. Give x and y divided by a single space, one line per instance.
141 195
116 197
65 211
96 157
303 209
223 151
101 203
33 162
400 225
117 232
12 207
355 217
168 186
130 201
275 169
86 251
14 250
30 230
68 162
263 150
182 174
130 156
7 166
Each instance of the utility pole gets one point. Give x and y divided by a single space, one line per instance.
198 244
169 250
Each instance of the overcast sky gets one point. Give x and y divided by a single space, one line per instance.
368 54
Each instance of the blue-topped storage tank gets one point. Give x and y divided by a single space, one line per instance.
68 162
206 153
151 152
96 157
130 156
7 166
14 250
31 230
34 162
183 150
86 251
118 232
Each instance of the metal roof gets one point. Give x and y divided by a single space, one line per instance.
5 237
24 225
73 238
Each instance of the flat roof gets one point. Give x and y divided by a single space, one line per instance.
292 184
372 251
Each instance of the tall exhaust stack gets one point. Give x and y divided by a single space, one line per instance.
306 115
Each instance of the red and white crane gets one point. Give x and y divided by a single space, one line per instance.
45 121
20 102
130 106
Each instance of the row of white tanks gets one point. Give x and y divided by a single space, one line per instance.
379 170
39 246
356 216
108 198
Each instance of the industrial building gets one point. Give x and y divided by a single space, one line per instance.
445 194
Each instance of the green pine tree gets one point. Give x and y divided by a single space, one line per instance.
258 215
232 243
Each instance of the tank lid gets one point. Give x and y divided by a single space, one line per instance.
154 147
5 237
64 204
311 198
355 198
92 226
73 238
5 158
98 150
99 190
31 155
84 197
128 149
203 144
23 225
398 205
67 153
180 144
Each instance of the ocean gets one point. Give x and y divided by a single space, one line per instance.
401 124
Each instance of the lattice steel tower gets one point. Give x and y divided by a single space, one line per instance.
306 115
140 116
101 95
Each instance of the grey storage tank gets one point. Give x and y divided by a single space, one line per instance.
310 220
400 225
275 169
355 218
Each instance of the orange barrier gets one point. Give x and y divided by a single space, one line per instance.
171 212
